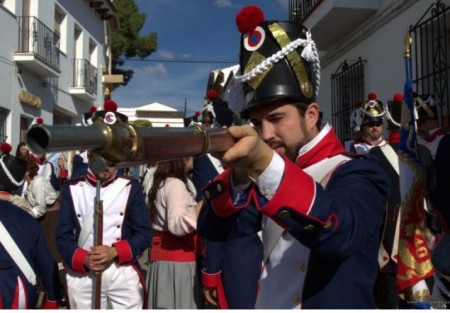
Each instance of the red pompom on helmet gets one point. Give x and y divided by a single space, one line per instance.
248 18
212 94
5 148
398 97
372 96
197 114
92 109
110 106
40 121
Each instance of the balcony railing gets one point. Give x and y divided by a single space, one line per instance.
84 75
300 9
35 37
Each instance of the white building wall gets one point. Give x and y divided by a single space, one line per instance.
8 75
381 45
54 92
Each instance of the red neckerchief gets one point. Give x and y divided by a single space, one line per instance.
327 147
394 137
90 177
438 132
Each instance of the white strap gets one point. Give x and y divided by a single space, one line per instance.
216 163
392 156
16 254
110 196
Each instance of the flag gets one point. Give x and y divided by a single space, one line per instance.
414 257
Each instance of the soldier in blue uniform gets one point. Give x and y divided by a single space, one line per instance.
225 261
126 233
321 210
24 255
385 290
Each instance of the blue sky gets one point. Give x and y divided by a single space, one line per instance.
193 30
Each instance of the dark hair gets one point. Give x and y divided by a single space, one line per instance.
32 167
165 169
20 145
301 108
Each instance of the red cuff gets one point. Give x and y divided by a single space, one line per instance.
78 259
294 182
124 254
211 280
50 305
222 203
215 281
63 173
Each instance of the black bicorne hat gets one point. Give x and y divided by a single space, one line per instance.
216 110
394 111
426 107
12 171
278 61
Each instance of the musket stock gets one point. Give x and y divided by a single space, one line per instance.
126 145
98 241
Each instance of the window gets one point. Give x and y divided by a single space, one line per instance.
347 87
3 116
60 25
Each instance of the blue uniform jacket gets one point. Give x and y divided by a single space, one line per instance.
29 237
236 257
341 226
136 229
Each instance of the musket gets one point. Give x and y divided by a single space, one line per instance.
98 241
126 145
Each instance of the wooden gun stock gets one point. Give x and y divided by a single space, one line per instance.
126 145
98 241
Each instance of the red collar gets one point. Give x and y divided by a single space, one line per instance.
324 145
437 133
90 177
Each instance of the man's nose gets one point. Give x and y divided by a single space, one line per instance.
266 131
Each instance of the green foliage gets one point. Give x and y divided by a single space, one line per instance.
142 123
126 41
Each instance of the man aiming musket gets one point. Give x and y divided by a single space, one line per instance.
101 257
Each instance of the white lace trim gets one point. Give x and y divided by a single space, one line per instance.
8 173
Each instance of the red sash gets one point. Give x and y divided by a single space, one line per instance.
168 247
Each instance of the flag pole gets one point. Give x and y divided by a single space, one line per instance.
414 257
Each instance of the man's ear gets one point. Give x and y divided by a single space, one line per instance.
312 115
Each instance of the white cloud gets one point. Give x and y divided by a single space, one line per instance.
163 54
157 70
223 3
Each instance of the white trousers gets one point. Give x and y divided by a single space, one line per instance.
121 289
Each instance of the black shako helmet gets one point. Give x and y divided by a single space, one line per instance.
278 61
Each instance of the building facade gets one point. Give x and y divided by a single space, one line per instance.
158 114
53 54
361 44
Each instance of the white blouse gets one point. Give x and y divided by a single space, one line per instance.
39 194
175 208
